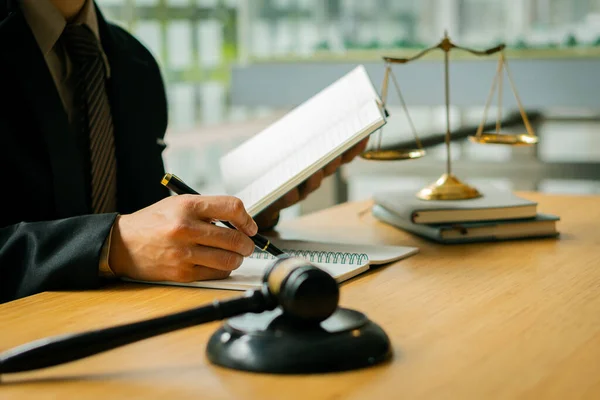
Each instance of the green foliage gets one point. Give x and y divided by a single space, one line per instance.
323 46
521 44
571 41
373 45
349 44
408 44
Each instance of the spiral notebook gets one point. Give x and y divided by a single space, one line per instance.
342 261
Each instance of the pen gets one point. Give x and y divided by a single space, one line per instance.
178 186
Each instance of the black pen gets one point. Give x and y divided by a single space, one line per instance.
178 186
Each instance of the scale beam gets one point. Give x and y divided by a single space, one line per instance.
448 186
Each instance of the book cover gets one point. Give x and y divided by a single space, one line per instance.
542 225
495 204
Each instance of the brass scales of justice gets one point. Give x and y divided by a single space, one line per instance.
448 186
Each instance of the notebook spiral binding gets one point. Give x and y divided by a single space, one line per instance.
331 257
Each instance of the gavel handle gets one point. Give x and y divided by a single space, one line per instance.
65 348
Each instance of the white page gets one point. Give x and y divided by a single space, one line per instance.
352 260
375 254
250 275
269 148
309 158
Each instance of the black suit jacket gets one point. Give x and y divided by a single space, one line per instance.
48 238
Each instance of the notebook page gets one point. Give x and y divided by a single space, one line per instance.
317 254
302 125
311 157
250 274
375 254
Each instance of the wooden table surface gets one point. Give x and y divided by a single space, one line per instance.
516 319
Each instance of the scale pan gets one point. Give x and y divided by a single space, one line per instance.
393 155
512 139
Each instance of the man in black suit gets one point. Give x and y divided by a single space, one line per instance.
82 120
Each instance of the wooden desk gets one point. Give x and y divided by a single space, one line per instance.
516 319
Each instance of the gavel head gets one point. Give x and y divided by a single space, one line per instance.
304 292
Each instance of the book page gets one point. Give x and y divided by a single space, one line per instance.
304 124
309 158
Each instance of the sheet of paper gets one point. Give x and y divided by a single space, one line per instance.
250 274
376 254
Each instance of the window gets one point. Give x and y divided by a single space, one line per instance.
198 41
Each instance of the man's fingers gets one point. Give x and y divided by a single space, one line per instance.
285 201
269 216
354 151
225 208
311 184
231 209
219 237
202 273
215 258
191 273
270 213
332 166
290 198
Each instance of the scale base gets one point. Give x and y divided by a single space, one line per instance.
269 342
448 187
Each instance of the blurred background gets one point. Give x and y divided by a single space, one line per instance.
234 66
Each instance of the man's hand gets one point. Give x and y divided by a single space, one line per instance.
173 239
268 217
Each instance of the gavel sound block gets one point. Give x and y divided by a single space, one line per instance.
292 324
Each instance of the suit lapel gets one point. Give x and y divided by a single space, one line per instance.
18 46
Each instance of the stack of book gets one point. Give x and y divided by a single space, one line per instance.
497 215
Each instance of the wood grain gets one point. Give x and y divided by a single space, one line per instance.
517 319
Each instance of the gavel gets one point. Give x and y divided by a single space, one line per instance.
306 295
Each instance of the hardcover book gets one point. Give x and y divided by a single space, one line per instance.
542 225
495 204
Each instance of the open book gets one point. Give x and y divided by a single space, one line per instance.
342 261
282 156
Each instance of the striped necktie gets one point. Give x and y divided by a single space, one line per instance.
91 102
